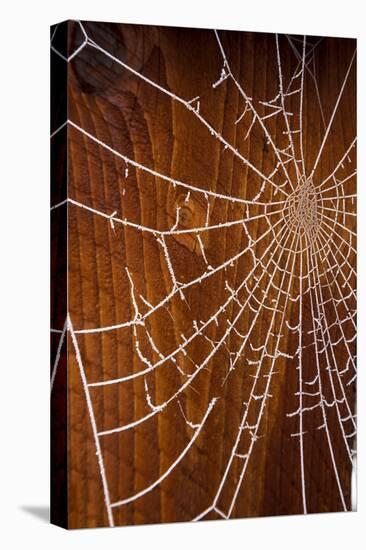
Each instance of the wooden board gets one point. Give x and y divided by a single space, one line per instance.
209 349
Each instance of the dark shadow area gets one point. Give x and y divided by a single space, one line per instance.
40 512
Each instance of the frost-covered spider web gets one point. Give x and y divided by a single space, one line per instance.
298 245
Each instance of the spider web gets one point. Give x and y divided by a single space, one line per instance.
303 256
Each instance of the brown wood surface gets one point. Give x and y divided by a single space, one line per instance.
138 120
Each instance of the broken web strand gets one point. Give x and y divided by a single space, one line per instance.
162 406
